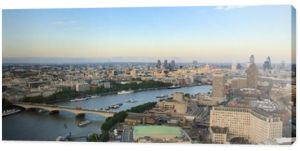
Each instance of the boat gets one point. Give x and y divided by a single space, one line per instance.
131 101
75 100
174 87
81 99
125 92
10 112
107 108
162 96
115 106
84 123
94 96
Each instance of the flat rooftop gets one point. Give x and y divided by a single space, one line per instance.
158 132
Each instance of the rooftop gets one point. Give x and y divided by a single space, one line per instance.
158 132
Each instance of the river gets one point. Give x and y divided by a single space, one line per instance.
33 125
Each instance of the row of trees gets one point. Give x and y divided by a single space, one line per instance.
117 118
68 93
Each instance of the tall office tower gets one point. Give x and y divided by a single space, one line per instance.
166 64
195 63
252 59
267 64
238 66
218 85
158 65
252 74
269 60
172 65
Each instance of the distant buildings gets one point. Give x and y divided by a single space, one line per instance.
167 66
236 67
172 65
267 64
158 65
195 63
82 87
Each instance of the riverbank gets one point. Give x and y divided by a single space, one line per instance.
68 94
134 91
23 125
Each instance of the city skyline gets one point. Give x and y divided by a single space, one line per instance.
208 34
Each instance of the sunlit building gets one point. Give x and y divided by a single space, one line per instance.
255 126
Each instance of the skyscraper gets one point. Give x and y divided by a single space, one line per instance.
158 65
172 65
252 74
166 64
252 59
267 64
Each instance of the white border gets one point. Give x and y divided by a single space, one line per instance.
51 146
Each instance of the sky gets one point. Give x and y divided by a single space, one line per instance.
206 34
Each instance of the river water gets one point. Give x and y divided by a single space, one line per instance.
33 125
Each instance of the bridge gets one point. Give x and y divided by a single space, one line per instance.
56 109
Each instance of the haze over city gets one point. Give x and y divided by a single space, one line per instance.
193 75
206 34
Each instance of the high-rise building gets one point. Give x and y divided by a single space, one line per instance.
267 64
218 86
195 63
256 127
172 65
158 65
166 64
238 66
252 60
252 74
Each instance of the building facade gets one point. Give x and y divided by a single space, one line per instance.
243 122
218 86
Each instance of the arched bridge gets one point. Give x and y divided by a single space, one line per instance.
55 108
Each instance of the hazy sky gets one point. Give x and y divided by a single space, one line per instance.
223 34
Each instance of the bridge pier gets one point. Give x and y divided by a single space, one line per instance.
54 112
55 109
80 115
30 109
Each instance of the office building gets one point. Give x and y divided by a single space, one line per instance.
253 125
